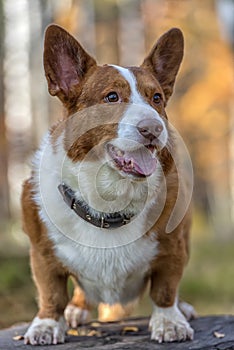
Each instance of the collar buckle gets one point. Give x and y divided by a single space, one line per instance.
103 223
126 220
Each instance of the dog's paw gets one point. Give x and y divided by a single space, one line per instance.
169 324
45 331
187 310
75 315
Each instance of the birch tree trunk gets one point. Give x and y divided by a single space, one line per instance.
4 194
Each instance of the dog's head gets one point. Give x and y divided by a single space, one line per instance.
135 131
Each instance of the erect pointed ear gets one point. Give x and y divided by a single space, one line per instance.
165 58
65 63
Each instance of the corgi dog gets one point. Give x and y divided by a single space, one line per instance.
101 204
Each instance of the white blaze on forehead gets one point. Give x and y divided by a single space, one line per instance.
130 78
138 110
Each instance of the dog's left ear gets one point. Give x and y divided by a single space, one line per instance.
165 58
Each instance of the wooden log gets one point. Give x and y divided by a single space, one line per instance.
211 332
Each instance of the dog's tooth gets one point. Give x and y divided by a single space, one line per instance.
131 164
154 153
119 153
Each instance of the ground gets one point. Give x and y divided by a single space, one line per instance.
211 333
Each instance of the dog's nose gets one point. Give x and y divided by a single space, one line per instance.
150 128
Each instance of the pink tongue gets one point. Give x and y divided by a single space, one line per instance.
144 163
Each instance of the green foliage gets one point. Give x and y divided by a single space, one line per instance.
14 272
208 282
17 292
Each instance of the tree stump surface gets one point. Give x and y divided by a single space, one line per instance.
211 332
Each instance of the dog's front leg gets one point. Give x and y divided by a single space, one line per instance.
49 326
167 322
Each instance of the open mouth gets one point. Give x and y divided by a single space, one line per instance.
140 162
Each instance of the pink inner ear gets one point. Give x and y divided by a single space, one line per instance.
67 73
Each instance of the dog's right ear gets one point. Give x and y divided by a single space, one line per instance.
65 63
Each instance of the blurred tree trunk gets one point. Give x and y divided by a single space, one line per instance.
4 194
107 49
131 32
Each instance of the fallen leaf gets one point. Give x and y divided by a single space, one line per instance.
219 335
18 337
95 324
72 332
130 329
93 333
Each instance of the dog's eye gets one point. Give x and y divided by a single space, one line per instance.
112 97
157 98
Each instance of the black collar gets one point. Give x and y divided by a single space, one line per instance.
102 220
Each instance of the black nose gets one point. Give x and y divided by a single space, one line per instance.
150 128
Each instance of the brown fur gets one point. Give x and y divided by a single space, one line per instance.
78 298
108 313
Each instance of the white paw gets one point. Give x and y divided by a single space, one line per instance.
169 324
45 331
187 310
75 316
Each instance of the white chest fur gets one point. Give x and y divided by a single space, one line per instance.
109 275
110 264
